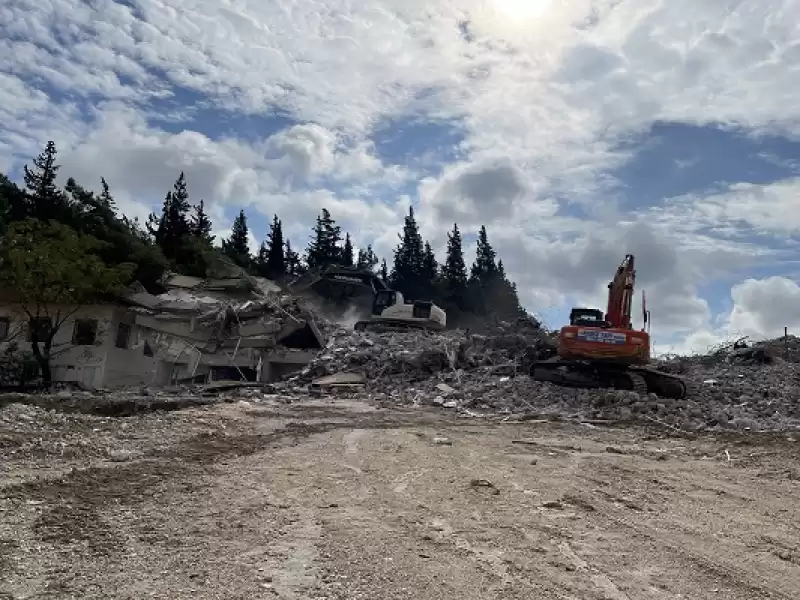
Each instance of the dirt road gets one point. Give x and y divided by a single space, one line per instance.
340 500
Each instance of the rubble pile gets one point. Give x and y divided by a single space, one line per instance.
229 324
487 374
403 357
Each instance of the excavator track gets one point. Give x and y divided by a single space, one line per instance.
662 384
642 380
387 325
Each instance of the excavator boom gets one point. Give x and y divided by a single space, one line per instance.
620 295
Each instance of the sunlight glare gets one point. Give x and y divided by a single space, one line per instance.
522 9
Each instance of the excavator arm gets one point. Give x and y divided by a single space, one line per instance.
620 295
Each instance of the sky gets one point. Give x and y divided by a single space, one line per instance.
575 131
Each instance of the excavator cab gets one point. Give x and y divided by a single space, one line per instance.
587 317
383 300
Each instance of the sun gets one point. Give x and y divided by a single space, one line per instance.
522 9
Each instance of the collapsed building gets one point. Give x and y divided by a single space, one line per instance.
196 331
240 328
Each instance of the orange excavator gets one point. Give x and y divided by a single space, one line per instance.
605 351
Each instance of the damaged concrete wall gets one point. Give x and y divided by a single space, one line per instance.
127 360
116 357
83 363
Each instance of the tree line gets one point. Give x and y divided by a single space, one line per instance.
180 239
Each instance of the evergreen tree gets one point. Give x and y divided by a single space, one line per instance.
430 272
484 269
324 250
503 297
200 224
237 247
13 202
367 261
172 229
45 200
260 260
384 271
407 274
276 256
454 272
122 239
106 199
348 259
293 266
487 289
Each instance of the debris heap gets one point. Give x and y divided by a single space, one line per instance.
221 326
487 374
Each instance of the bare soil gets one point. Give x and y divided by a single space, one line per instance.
336 499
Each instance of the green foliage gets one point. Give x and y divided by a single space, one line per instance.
367 260
125 241
200 225
294 265
454 273
51 269
172 229
348 259
384 271
324 250
276 257
407 273
44 200
237 247
51 263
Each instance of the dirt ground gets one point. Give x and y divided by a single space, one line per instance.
336 499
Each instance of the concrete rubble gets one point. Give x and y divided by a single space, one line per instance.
487 375
236 327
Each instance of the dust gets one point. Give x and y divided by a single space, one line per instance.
352 315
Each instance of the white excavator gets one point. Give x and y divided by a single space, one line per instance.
390 311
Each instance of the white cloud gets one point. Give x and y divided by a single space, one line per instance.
543 98
763 307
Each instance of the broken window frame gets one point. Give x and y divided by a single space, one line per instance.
5 328
87 336
126 339
43 325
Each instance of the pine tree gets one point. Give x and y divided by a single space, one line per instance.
347 252
200 224
324 250
236 247
293 266
484 280
367 261
407 275
106 198
276 257
384 271
172 229
430 272
260 260
454 272
484 269
45 201
503 297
